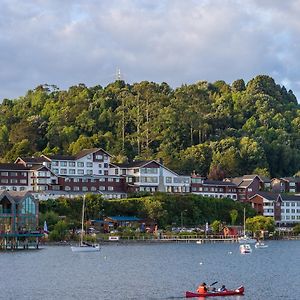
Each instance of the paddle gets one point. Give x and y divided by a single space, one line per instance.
213 283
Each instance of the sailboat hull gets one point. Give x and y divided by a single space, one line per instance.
84 248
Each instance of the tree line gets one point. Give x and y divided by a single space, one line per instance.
215 129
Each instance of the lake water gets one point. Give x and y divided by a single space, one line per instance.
150 271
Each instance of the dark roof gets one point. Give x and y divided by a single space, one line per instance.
218 182
274 196
267 195
13 167
286 197
134 164
35 160
80 154
85 152
124 218
291 179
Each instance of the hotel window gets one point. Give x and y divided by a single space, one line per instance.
63 163
80 164
22 188
23 181
93 189
287 204
80 172
71 171
89 164
102 179
85 189
71 163
4 173
13 174
293 211
55 171
293 204
194 189
168 179
63 171
24 174
116 171
100 172
13 181
55 163
105 165
92 180
85 180
89 156
67 188
76 188
102 188
293 217
89 172
99 156
105 156
106 172
287 211
117 180
110 179
76 180
4 180
110 188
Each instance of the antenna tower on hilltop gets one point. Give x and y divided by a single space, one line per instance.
118 74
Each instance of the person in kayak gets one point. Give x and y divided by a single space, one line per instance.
222 289
202 288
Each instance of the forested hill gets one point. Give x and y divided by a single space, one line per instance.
216 129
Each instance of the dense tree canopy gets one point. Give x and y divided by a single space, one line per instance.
202 127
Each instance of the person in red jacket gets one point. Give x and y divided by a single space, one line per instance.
202 288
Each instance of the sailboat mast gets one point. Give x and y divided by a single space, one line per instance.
244 221
82 220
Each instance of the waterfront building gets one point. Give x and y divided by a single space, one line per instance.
150 176
286 185
213 188
19 215
285 209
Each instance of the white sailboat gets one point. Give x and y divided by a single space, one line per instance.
246 239
84 246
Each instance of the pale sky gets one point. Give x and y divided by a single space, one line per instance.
66 42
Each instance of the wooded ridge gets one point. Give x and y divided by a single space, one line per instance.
214 129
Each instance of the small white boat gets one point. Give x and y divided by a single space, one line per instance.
260 245
86 248
245 248
199 242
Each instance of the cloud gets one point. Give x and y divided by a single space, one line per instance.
73 41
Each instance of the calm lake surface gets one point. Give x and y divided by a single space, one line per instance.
150 271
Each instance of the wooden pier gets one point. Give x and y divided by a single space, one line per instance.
23 241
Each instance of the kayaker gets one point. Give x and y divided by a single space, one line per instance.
223 288
202 288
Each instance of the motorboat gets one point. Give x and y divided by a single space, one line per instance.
260 245
245 248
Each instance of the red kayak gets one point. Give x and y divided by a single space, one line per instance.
238 291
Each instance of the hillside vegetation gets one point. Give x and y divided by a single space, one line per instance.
215 129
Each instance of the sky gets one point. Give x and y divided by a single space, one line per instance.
66 42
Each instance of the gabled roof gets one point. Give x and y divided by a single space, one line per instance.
275 196
142 163
33 160
267 195
134 164
13 167
291 179
244 181
79 155
85 152
14 195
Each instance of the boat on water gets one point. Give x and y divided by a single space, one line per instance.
260 245
84 246
245 248
239 291
246 239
